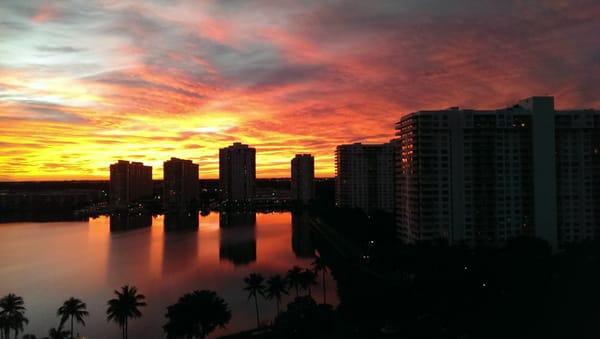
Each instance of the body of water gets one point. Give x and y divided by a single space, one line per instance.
164 256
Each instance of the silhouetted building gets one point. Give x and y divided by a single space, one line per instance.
365 176
129 182
303 178
483 176
180 183
44 200
237 237
237 172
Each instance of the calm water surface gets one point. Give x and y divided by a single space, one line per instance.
163 256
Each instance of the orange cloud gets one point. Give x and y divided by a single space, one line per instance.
46 13
103 81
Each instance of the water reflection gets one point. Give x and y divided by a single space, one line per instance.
237 242
181 220
301 235
181 243
164 256
129 221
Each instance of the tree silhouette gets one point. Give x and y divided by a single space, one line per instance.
57 333
196 315
276 288
126 305
72 308
308 278
305 319
294 276
319 267
255 286
12 314
4 326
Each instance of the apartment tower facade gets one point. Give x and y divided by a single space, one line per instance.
180 183
303 178
484 176
365 176
237 172
129 182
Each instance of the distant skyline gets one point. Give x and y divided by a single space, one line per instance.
84 83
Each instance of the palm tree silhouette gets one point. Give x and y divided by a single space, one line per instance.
12 314
72 308
276 288
294 276
126 305
255 286
196 315
57 333
319 266
308 278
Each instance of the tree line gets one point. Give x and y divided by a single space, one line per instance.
194 315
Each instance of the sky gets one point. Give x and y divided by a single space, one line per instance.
84 83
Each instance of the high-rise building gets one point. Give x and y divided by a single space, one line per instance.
484 176
365 176
129 182
237 172
303 178
180 183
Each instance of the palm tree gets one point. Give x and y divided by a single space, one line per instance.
17 323
319 266
294 276
308 278
57 333
4 324
72 308
12 314
196 315
255 286
276 288
126 305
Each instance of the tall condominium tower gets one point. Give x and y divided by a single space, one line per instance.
180 184
129 182
237 172
483 176
365 176
303 178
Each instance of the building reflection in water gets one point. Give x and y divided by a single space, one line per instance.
129 246
181 220
302 244
237 237
180 242
129 221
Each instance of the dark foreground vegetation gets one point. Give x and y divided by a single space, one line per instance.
519 290
386 290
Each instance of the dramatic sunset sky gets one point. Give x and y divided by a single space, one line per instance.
86 82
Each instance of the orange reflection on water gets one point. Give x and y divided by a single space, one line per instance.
48 262
99 239
274 252
208 238
157 234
